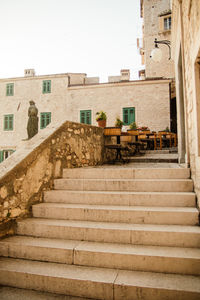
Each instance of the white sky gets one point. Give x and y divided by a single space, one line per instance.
97 37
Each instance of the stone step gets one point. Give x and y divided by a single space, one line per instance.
160 158
122 198
120 214
97 283
138 234
10 293
136 185
105 255
126 173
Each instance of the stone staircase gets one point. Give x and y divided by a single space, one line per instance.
110 233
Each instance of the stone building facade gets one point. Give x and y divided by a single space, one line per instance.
75 97
157 23
156 16
186 54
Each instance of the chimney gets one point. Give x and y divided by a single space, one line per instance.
125 75
29 72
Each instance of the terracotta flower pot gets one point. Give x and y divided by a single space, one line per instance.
102 123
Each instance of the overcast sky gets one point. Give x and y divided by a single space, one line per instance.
97 37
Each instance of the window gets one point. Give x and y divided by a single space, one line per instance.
8 122
85 116
128 115
167 23
45 119
5 154
46 86
10 89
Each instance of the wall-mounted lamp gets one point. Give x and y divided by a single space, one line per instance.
156 53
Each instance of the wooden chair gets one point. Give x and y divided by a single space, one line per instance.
174 139
136 143
149 142
163 139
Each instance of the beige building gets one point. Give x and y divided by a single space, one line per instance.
157 22
186 54
156 15
75 97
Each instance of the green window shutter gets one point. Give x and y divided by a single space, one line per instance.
45 119
128 115
131 115
125 116
85 116
8 122
10 89
46 86
1 156
88 117
7 90
82 117
5 122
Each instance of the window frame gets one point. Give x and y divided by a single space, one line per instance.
4 152
46 86
85 116
162 19
8 124
44 118
168 23
10 89
128 115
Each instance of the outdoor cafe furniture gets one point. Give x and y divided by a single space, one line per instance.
124 141
148 138
165 139
118 145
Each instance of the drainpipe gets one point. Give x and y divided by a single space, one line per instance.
184 83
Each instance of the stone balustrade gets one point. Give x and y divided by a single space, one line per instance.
32 168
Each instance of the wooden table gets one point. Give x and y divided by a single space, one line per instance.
119 146
147 138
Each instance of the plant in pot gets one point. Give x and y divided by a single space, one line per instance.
101 118
133 126
133 129
144 128
118 122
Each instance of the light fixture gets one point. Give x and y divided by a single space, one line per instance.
156 53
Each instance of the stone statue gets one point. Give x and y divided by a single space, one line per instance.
32 126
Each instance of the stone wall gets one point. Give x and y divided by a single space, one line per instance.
186 48
149 97
31 169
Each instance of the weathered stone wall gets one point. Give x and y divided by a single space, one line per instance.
31 169
186 36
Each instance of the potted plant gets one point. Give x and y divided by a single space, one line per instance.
101 118
133 129
114 130
118 122
133 126
143 128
